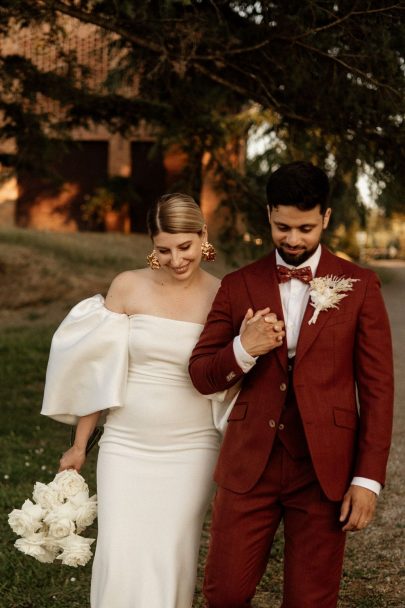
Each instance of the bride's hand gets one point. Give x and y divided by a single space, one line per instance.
251 317
73 458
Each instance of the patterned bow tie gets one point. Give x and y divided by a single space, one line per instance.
285 274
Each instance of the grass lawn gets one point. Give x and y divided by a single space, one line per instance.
30 448
42 275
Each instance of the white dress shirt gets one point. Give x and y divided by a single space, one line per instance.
294 296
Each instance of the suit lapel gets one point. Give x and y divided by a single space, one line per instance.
328 265
264 291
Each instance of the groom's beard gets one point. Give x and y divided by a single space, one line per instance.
298 258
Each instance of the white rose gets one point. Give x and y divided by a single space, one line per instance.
86 513
61 520
45 495
27 520
52 485
70 483
35 511
80 498
34 545
62 511
61 528
76 550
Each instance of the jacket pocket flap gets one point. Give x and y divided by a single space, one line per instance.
238 411
345 418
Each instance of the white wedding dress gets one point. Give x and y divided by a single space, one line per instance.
157 453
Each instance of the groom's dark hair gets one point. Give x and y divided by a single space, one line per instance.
299 184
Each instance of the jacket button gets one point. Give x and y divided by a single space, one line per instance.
272 423
283 386
281 426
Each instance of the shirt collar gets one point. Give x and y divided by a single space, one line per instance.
312 262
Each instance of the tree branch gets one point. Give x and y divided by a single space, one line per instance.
327 26
351 68
351 13
248 94
399 7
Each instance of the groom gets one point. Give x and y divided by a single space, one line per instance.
308 438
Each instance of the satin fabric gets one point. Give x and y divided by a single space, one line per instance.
88 362
88 366
157 453
154 475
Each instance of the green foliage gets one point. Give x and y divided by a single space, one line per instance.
117 192
325 79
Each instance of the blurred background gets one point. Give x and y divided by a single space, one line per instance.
105 106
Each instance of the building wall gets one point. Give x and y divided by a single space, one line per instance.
45 206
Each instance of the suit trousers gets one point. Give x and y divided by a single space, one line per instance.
243 528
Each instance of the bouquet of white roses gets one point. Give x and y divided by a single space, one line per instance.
50 527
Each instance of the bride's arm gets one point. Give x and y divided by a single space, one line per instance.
75 457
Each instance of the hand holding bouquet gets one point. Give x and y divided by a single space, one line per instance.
50 527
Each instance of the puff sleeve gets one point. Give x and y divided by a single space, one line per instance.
88 362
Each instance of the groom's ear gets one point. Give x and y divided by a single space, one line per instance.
268 212
326 218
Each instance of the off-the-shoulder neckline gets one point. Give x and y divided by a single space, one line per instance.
139 314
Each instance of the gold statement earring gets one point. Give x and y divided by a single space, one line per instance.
208 251
153 261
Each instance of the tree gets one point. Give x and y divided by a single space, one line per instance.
324 80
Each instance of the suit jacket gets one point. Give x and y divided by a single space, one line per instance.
343 378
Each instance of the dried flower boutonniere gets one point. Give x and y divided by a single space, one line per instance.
326 292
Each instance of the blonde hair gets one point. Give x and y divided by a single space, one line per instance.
175 213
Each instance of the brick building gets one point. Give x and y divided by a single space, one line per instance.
95 154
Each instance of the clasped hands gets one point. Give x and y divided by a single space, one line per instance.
261 332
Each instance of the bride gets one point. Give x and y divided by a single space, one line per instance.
125 359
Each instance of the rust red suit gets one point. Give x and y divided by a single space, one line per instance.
347 351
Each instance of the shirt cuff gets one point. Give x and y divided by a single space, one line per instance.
243 359
370 484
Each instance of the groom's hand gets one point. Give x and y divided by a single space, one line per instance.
261 332
357 508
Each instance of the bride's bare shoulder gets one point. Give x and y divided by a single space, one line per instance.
122 287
